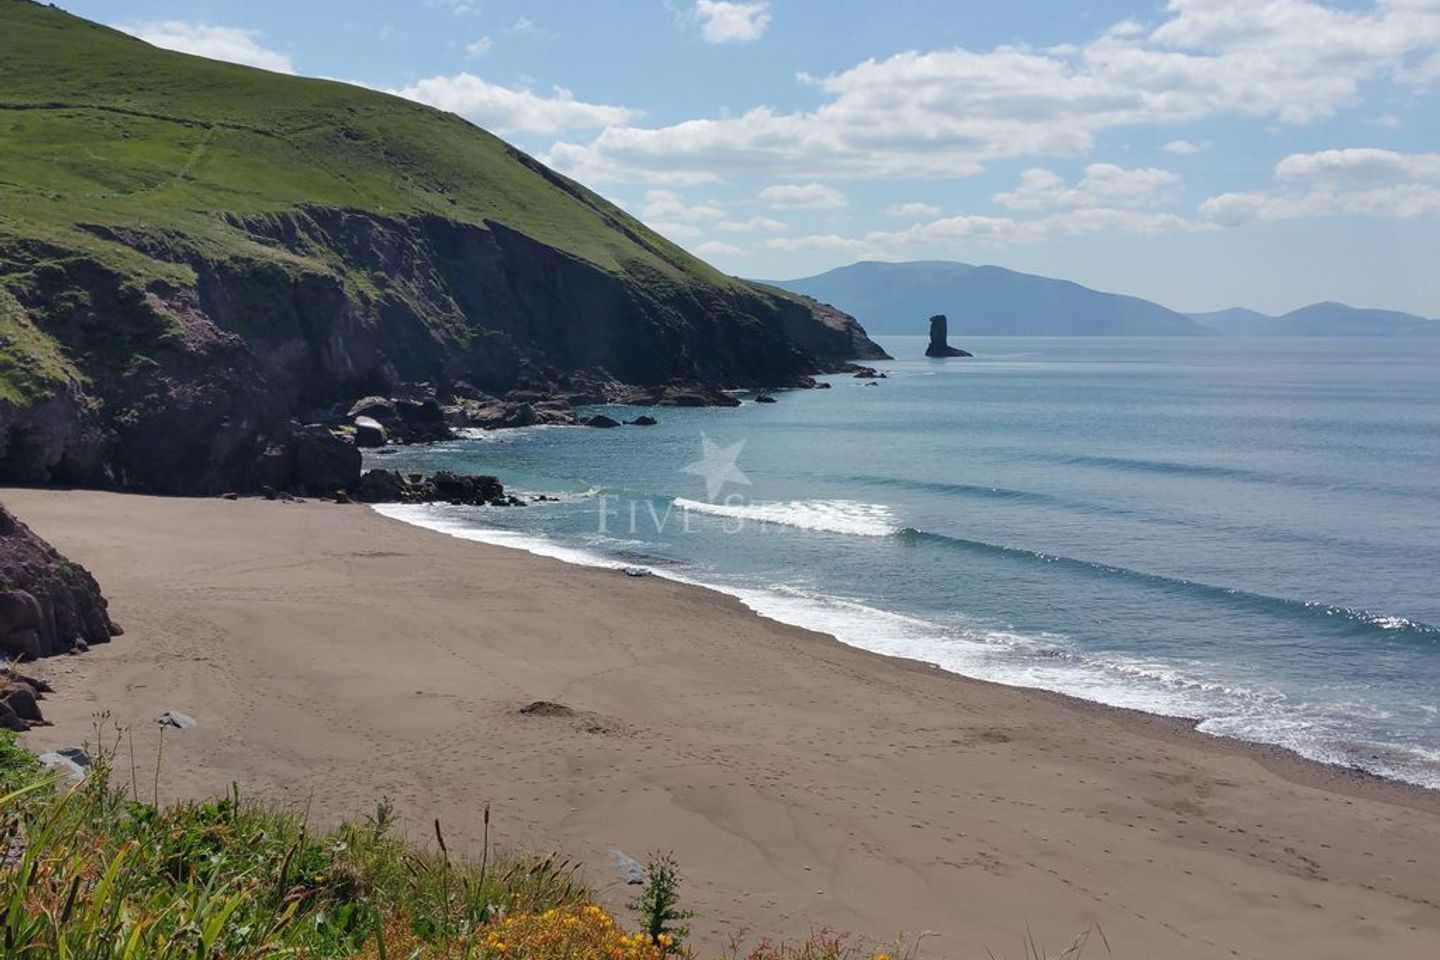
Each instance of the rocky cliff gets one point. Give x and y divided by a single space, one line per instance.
199 262
48 605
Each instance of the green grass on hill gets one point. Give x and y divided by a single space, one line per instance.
101 132
97 127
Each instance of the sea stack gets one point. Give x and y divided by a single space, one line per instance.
939 337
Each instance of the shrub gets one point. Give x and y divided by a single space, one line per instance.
659 904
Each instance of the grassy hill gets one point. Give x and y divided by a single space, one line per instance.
194 255
99 127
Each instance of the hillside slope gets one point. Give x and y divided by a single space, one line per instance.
194 255
985 301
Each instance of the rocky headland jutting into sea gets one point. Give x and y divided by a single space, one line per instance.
188 335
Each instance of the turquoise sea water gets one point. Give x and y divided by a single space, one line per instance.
1245 533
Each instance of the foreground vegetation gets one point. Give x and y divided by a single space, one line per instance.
91 872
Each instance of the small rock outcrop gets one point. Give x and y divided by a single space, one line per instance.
940 339
48 605
390 486
489 413
601 421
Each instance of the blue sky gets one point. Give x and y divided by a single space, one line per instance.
1202 153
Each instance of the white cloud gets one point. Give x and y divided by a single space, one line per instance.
478 48
1358 181
751 225
503 109
1359 164
722 22
913 211
1399 202
946 235
821 241
233 44
1184 147
808 196
1103 185
946 113
523 25
712 248
669 205
1125 28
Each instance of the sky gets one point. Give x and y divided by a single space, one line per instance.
1200 153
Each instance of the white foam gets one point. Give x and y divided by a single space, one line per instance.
444 519
505 434
828 516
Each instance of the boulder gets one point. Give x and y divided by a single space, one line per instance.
176 719
10 720
415 419
369 432
630 869
643 421
70 763
466 488
323 462
419 421
601 421
20 698
381 409
765 398
39 685
940 339
380 486
48 605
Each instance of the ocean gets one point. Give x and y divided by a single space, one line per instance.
1241 532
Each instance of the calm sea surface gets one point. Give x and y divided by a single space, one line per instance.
1242 532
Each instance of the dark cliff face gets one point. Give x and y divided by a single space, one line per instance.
197 387
48 605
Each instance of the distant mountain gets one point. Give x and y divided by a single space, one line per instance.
890 298
983 300
1319 320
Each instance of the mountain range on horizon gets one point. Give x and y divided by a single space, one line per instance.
985 300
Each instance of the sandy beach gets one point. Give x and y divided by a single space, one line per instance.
332 657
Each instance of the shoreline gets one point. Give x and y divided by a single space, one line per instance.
334 656
1323 772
